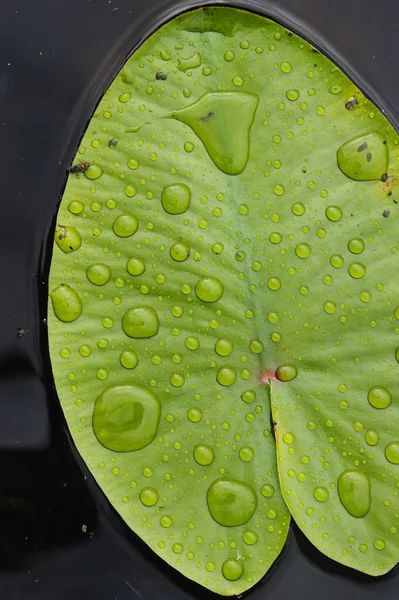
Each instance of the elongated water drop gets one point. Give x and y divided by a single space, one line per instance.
354 490
67 238
364 157
231 502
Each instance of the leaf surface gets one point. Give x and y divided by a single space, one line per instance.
231 232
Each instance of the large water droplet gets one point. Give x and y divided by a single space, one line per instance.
232 569
125 225
179 252
231 502
354 490
224 347
364 157
286 372
140 322
149 496
392 453
67 238
93 172
222 121
67 304
126 417
176 198
379 397
128 359
226 376
98 274
204 454
209 289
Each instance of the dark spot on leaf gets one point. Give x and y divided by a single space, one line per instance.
362 147
390 193
206 117
161 75
384 177
352 102
386 213
369 156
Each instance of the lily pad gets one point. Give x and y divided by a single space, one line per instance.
223 322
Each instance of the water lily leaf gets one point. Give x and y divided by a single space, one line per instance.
228 233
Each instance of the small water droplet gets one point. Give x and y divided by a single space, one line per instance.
192 62
334 213
125 225
286 67
232 569
357 270
246 453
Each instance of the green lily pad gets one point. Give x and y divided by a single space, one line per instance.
223 284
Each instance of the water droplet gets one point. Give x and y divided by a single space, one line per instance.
303 250
211 118
76 207
279 189
192 62
166 521
379 544
135 266
335 89
292 95
321 494
364 157
256 346
334 213
194 415
126 417
372 437
179 252
379 397
226 376
189 146
267 490
176 198
298 209
229 55
93 172
392 453
128 359
248 396
231 502
192 343
224 347
177 379
177 548
204 455
232 569
67 238
217 248
246 453
125 225
98 274
140 322
238 81
357 270
250 537
286 372
84 350
356 245
149 496
274 283
286 67
209 289
330 308
354 490
67 304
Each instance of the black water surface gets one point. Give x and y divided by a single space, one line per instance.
56 59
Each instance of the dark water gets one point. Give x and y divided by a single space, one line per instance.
56 59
